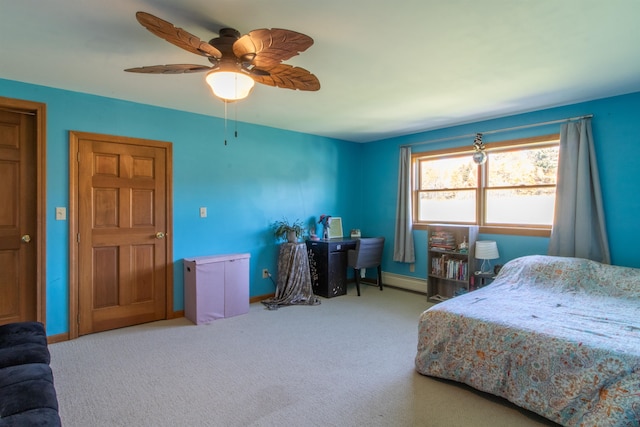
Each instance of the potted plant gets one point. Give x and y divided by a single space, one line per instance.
291 231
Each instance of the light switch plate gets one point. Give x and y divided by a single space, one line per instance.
203 212
61 213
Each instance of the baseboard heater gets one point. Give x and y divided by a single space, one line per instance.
401 282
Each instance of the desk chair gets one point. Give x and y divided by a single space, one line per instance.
367 254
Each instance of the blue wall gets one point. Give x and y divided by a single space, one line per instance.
617 144
262 176
268 173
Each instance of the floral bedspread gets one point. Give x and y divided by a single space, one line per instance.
557 336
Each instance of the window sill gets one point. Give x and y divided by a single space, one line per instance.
515 231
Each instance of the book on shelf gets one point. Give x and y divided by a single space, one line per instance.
442 240
450 268
439 298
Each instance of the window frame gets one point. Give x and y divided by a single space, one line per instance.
481 189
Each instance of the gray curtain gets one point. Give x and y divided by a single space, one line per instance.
579 223
403 249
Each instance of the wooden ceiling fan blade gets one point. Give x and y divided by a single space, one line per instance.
176 36
287 76
170 69
271 46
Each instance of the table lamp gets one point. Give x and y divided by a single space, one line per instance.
486 250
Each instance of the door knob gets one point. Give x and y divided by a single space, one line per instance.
26 238
160 235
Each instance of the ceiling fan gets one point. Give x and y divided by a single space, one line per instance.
238 61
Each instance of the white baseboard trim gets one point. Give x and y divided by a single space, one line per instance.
405 282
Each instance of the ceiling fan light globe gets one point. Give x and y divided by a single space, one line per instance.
230 85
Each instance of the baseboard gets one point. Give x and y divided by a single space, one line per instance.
405 282
261 298
175 314
390 279
52 339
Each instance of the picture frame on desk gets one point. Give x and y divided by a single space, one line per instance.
335 227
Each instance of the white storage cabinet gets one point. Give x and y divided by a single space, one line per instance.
216 287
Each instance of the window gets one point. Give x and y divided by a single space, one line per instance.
514 189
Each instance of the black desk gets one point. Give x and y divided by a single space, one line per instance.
328 265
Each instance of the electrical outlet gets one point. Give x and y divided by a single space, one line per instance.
265 273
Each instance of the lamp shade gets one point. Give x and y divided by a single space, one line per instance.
486 249
230 85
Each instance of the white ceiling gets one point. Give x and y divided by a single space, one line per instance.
387 68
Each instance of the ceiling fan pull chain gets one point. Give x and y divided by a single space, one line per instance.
235 110
225 122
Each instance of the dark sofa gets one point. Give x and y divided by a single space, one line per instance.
27 394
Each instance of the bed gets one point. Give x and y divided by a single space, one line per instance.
557 336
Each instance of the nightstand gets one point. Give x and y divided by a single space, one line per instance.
482 279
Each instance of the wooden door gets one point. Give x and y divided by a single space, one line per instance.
123 204
18 217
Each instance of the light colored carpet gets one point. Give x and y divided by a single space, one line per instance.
346 362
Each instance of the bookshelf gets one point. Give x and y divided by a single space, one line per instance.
450 263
